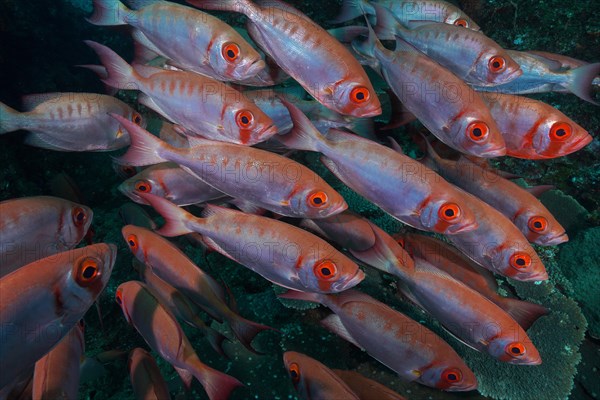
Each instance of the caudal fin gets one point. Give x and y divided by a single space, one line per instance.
583 78
246 330
304 135
145 147
218 386
387 25
109 12
524 312
121 75
176 218
353 9
9 119
216 340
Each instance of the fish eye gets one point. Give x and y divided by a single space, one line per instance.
79 216
478 131
449 212
452 375
537 224
461 22
128 170
560 131
230 51
244 119
87 271
136 119
119 296
317 199
133 243
520 261
326 269
294 372
497 64
143 186
515 349
359 94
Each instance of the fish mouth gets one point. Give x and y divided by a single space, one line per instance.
536 276
123 189
558 239
253 69
355 280
581 143
334 210
498 151
463 388
375 112
268 132
463 228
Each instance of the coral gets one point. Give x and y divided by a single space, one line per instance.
571 215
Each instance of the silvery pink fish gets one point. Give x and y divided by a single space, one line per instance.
349 230
164 335
146 379
171 265
447 106
409 13
191 39
470 55
201 105
70 121
533 129
401 186
310 55
36 227
171 182
279 252
389 337
56 374
516 203
243 172
365 388
42 301
313 380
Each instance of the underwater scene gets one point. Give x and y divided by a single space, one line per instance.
292 199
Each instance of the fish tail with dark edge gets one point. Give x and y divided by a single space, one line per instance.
175 216
303 136
216 339
218 386
120 74
387 25
9 119
145 147
524 312
246 330
583 78
108 13
353 9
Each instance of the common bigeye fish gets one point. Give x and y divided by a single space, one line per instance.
243 172
279 252
191 39
365 388
409 13
533 129
42 301
401 186
201 105
469 54
408 348
447 106
36 227
146 379
164 335
56 374
70 121
313 380
310 55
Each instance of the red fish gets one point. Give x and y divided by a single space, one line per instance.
365 388
146 379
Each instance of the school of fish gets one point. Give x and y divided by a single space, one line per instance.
225 147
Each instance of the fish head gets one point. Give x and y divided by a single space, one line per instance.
294 367
120 135
494 67
517 260
134 237
449 377
458 18
142 183
477 134
540 227
447 215
76 220
234 59
514 347
316 201
245 123
328 272
349 97
559 136
125 297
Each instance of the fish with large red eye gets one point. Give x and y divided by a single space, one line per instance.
560 131
132 242
449 212
87 272
325 269
136 118
478 131
520 261
515 349
497 64
143 186
244 119
79 216
231 52
537 224
451 376
294 372
317 199
359 94
461 22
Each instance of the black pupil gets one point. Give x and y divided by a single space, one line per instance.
452 377
142 188
449 213
245 120
496 64
561 132
537 224
132 243
294 374
515 350
326 271
88 272
477 132
360 96
520 261
230 53
317 200
80 216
